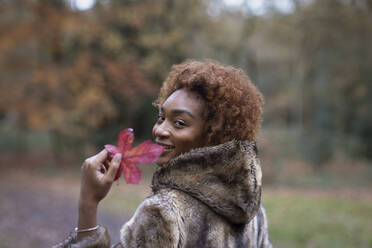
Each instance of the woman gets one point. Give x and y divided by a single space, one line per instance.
207 189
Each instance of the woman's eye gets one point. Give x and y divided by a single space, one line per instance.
160 118
179 123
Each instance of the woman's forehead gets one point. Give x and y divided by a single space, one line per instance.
183 99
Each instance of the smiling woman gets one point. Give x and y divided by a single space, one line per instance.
207 189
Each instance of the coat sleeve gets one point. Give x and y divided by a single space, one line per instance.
263 229
100 240
154 224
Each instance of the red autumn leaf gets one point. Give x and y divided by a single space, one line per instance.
132 174
145 153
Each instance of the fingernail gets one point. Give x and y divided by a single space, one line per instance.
117 157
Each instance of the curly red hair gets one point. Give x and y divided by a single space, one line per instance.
233 103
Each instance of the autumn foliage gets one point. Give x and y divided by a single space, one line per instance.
86 74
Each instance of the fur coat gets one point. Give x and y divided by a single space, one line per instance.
209 197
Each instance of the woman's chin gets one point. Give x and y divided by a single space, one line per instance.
159 164
164 158
161 161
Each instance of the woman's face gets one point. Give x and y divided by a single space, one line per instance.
180 124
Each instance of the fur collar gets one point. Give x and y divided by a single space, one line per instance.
226 177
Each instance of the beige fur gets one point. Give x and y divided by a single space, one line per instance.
209 197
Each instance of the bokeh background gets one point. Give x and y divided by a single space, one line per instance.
75 73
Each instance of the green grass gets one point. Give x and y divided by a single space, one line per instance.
297 220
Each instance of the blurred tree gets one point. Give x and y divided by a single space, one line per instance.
313 69
86 74
337 57
62 70
83 76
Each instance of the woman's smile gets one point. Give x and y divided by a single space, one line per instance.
167 148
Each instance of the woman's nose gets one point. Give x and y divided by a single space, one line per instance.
161 130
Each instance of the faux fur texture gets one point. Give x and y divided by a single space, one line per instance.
227 178
209 197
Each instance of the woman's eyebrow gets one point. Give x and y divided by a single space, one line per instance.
179 111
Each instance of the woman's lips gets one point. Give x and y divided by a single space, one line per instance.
167 148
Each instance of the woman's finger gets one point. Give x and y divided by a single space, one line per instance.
101 157
114 166
103 169
98 159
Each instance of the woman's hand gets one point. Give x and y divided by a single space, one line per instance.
96 182
96 179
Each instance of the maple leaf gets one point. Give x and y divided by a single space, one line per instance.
145 153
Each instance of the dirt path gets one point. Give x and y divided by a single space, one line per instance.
38 213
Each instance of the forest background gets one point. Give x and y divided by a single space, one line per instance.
70 80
